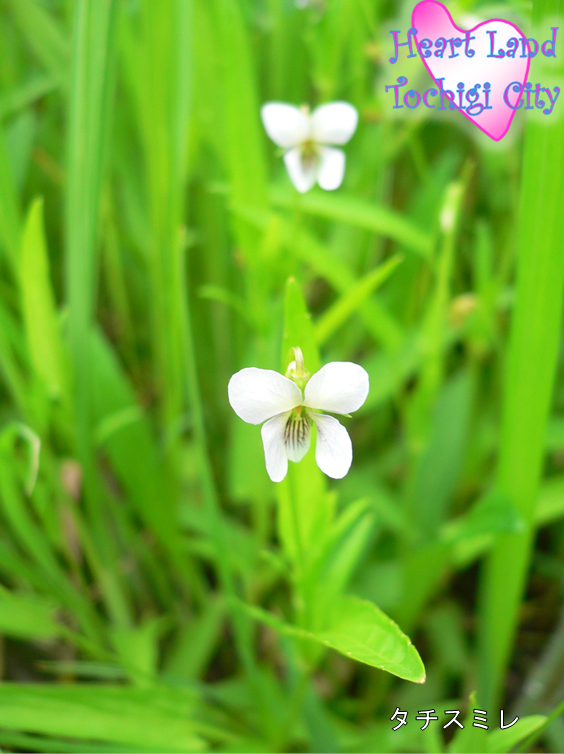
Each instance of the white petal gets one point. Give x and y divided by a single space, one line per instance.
297 436
333 451
258 394
334 123
302 176
286 125
331 169
339 387
274 452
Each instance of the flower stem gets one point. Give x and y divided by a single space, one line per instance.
300 564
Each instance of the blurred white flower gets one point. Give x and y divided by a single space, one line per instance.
262 395
469 21
319 4
305 137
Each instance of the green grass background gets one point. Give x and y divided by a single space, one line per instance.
157 591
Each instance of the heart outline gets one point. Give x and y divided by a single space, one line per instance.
463 33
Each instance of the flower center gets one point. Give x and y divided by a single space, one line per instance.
309 155
297 433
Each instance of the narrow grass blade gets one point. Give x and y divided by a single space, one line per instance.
372 217
91 74
353 299
529 377
162 51
501 741
44 34
88 122
115 714
40 315
10 217
21 97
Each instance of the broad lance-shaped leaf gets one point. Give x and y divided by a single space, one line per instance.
358 629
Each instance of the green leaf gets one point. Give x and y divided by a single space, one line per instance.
138 648
437 470
86 141
27 616
337 555
423 570
39 309
298 329
243 142
324 262
10 213
91 670
8 436
21 138
501 741
377 320
367 215
44 35
350 302
531 369
125 434
492 514
20 97
469 739
191 652
359 630
550 504
148 718
550 507
23 742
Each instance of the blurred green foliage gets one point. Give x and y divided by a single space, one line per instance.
157 591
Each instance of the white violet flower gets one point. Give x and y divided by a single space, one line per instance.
290 404
305 137
301 4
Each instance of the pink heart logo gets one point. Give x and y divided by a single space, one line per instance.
487 77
